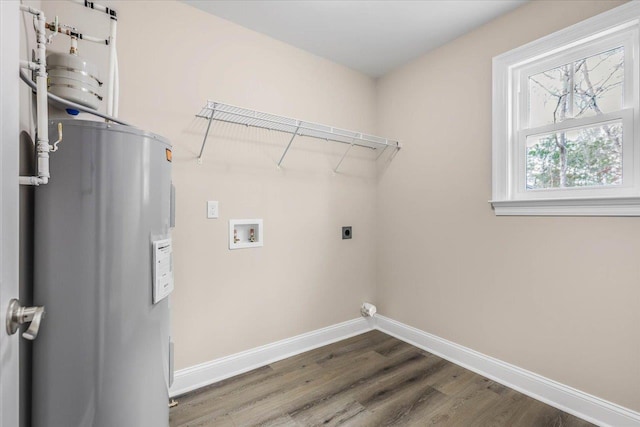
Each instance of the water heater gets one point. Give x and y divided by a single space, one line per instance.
103 272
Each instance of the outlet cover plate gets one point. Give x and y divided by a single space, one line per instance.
212 209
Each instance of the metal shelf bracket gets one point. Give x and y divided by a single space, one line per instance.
206 134
343 156
295 133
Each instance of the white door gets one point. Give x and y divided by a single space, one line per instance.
9 132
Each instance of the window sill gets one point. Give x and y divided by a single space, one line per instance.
611 206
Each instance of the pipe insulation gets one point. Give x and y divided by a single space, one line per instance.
73 105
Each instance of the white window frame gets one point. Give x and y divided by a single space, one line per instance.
617 27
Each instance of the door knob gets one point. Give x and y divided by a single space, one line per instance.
18 315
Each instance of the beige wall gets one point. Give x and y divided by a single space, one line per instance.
557 296
172 59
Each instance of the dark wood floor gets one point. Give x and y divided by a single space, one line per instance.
369 380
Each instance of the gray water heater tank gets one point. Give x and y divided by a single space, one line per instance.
102 357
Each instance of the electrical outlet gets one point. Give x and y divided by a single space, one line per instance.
212 209
346 233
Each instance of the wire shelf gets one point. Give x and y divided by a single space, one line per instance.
217 111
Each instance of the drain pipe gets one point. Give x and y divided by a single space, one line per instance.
42 129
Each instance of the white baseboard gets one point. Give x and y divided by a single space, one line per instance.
201 375
565 398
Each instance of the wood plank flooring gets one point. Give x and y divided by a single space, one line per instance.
368 380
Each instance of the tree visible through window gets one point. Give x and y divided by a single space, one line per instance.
566 120
579 157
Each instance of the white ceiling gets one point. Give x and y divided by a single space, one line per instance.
370 36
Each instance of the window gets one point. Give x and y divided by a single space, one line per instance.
566 122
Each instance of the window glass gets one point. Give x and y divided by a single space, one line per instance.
591 156
598 83
549 96
589 86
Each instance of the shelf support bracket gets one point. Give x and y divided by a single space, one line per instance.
382 152
344 155
295 133
204 141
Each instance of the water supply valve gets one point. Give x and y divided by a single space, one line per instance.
18 315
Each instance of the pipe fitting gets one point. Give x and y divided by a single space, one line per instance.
32 180
32 66
31 10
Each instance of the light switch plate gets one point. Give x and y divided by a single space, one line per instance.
212 209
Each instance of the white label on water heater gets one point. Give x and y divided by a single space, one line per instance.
162 269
